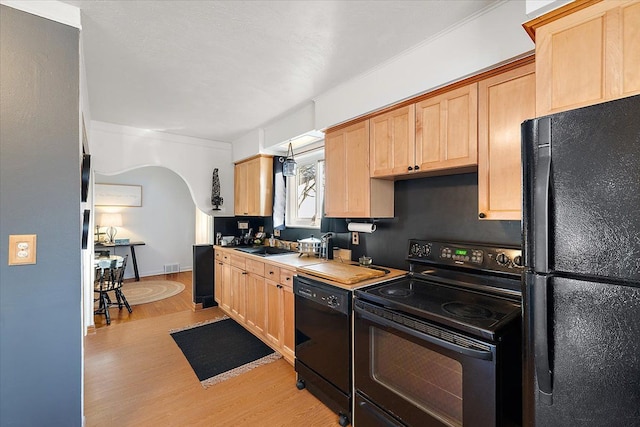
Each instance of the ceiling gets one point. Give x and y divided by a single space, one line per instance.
219 69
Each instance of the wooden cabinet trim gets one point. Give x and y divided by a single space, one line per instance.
257 156
531 26
528 59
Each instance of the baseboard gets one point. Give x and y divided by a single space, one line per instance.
196 306
157 273
91 330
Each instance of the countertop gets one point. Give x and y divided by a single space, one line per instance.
294 260
393 274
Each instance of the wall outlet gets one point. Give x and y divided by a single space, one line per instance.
276 233
22 249
355 238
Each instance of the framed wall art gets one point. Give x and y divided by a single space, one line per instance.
118 195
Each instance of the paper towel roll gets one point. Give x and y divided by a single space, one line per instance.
361 227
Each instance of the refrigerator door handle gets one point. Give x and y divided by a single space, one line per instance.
541 196
542 363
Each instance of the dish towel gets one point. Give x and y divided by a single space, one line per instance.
279 194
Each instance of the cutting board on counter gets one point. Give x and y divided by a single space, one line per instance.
342 273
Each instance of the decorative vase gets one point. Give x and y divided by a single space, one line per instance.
216 199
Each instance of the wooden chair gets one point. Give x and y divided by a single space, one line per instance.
109 277
119 277
103 283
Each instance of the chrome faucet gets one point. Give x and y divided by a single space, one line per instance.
326 246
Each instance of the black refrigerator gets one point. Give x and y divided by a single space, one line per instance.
581 243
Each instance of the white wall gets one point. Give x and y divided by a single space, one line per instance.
482 42
248 145
535 8
477 44
53 10
117 149
294 124
165 222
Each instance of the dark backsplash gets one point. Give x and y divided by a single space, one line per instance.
443 207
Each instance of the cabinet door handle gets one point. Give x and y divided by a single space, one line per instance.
416 167
271 272
244 272
481 215
410 168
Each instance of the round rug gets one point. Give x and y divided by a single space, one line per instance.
150 290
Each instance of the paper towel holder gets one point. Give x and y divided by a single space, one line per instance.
362 227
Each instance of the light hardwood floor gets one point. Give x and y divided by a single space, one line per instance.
135 375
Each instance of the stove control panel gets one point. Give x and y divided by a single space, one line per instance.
469 255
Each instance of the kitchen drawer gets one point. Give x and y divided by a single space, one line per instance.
286 277
237 261
255 267
272 272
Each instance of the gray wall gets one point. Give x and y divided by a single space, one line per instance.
40 305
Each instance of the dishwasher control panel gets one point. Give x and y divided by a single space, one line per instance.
322 293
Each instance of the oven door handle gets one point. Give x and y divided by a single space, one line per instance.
476 354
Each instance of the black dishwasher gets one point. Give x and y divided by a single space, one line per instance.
323 343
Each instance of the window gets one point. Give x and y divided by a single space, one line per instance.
305 191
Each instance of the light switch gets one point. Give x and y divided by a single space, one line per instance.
22 249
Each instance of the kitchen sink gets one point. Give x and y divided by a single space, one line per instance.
264 250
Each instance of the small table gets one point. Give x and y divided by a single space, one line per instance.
117 258
132 245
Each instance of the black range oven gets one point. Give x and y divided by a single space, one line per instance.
441 346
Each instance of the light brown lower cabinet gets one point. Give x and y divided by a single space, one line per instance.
222 278
280 318
259 296
238 293
289 324
274 318
256 307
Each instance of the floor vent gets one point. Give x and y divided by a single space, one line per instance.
171 268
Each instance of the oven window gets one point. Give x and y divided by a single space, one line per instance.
429 380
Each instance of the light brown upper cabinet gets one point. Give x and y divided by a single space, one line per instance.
253 185
447 130
393 137
350 192
586 56
504 102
